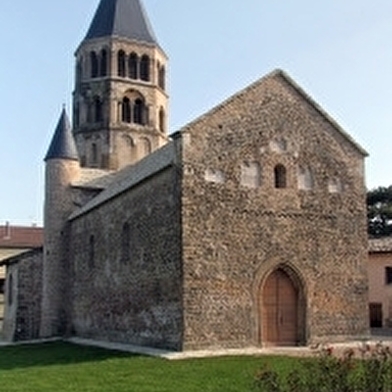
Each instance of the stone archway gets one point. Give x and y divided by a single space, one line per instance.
282 309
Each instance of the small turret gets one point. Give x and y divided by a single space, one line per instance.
62 168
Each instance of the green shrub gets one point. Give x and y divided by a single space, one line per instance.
365 370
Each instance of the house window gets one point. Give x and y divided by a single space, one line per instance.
280 176
388 275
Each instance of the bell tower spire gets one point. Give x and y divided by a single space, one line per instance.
120 104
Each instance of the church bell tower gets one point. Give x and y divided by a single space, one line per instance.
120 104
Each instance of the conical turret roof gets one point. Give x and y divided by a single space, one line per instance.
121 18
63 144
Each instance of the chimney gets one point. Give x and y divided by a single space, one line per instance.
7 235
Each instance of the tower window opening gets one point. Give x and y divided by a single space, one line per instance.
76 114
79 71
121 63
280 175
97 109
90 112
161 77
139 112
162 120
94 64
145 68
126 110
133 66
104 63
94 154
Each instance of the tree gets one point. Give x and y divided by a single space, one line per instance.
379 211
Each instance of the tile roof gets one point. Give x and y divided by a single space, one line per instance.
63 144
380 245
122 18
21 237
130 176
94 178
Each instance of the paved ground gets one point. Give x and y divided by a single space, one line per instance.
338 348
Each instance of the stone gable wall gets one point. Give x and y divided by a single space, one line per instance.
132 297
234 234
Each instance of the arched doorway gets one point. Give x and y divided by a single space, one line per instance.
282 309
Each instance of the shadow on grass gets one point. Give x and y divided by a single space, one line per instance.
57 353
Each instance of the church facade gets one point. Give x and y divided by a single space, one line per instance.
245 228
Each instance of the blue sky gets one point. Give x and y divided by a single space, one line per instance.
339 51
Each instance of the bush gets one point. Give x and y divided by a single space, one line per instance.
365 370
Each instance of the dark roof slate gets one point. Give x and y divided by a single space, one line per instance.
122 18
63 144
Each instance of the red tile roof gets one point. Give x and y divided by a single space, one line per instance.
21 237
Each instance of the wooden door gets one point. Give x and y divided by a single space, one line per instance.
280 310
375 311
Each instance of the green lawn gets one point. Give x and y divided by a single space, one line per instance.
56 367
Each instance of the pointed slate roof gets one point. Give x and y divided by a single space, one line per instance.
121 18
63 144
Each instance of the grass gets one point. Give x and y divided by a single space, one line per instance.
58 367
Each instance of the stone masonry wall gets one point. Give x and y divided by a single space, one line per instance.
237 228
23 300
127 287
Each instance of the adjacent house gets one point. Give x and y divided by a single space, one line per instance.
380 283
15 240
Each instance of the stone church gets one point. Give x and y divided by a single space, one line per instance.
245 228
